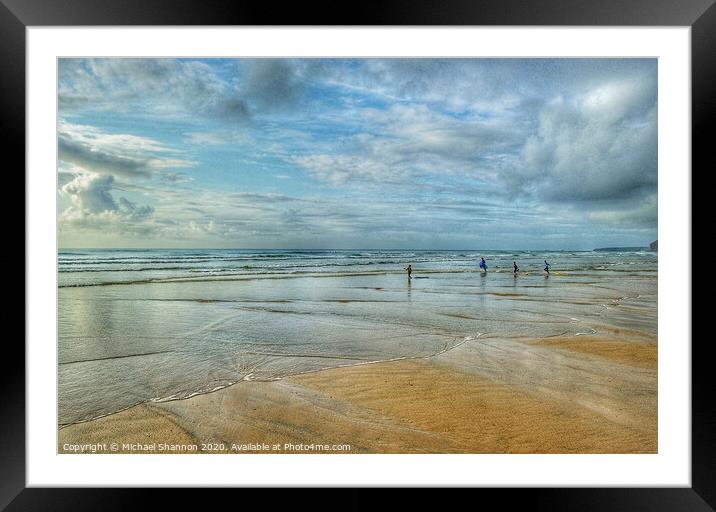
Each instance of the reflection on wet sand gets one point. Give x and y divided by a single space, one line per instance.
580 344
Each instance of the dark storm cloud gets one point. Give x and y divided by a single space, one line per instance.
599 146
273 83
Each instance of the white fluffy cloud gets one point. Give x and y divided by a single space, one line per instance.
92 205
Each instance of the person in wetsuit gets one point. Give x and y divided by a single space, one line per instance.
483 265
410 271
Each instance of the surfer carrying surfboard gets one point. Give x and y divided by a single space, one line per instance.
546 266
483 265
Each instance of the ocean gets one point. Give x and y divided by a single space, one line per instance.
166 324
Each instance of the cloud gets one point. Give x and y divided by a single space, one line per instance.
379 151
175 177
179 87
598 146
273 83
125 155
166 87
643 213
132 211
92 206
504 87
219 138
90 193
414 146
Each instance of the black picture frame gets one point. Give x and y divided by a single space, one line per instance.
17 15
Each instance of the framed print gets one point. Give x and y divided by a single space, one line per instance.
390 254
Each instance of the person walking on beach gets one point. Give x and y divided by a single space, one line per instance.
546 266
410 271
514 268
483 265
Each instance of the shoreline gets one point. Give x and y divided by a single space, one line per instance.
416 405
249 379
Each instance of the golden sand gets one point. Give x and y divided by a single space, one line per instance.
410 406
637 353
141 424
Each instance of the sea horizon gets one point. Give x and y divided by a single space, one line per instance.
60 249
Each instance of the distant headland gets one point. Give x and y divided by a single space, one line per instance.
653 247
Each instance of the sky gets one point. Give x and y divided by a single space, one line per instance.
557 154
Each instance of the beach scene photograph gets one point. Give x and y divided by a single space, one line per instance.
357 255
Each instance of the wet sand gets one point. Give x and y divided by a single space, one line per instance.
637 353
570 394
